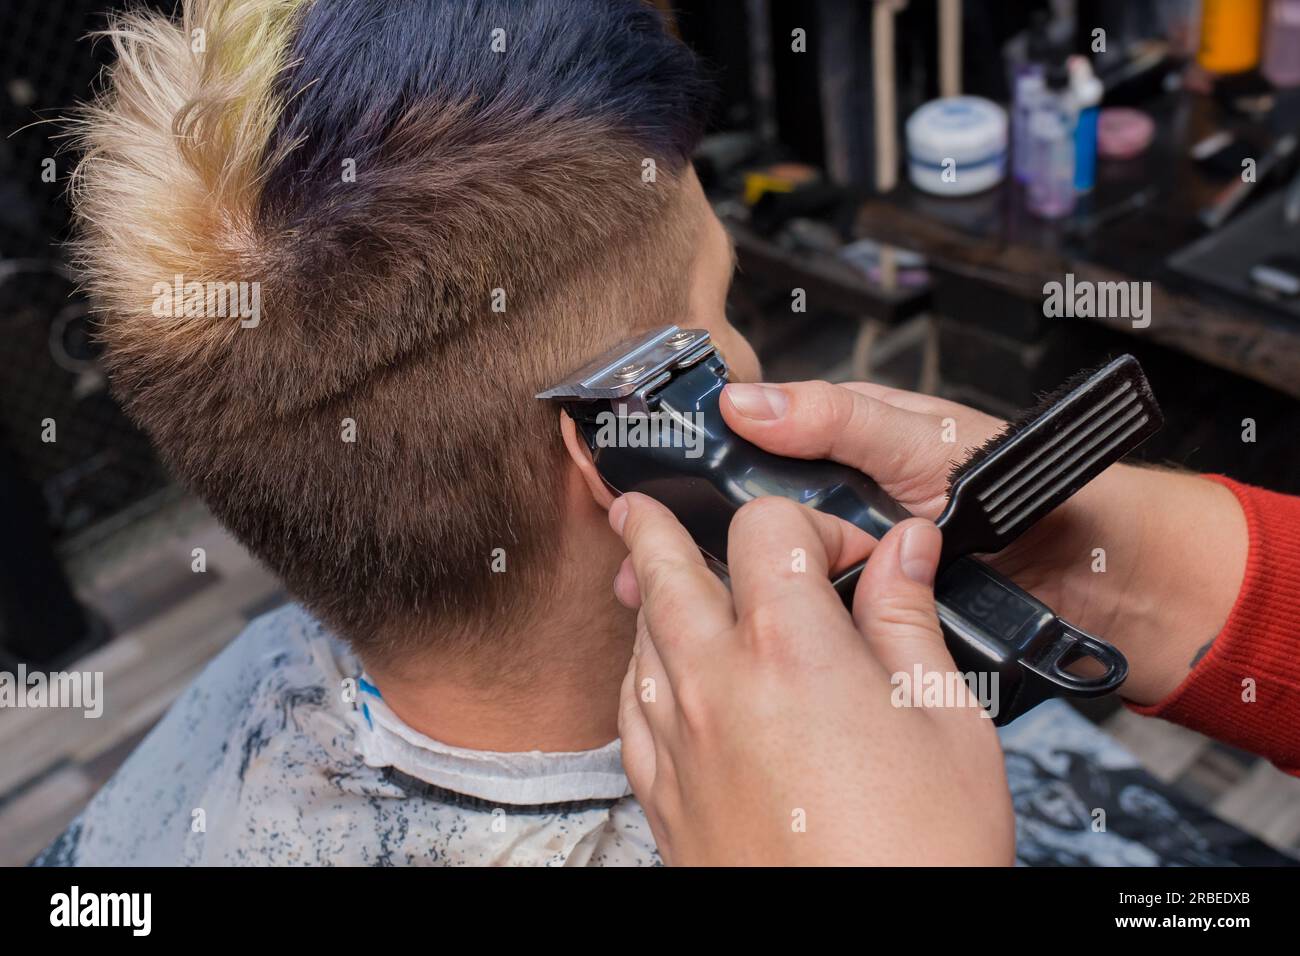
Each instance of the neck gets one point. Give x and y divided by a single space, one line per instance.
554 685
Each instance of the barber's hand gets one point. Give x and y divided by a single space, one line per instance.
1149 560
760 725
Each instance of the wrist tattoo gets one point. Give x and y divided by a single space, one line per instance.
1201 653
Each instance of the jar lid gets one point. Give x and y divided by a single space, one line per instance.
963 128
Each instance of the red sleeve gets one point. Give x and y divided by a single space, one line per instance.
1259 643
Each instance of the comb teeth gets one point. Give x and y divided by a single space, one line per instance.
1060 462
1013 481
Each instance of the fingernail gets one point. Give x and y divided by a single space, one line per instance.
618 515
759 402
918 554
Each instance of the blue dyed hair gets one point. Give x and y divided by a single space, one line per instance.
357 67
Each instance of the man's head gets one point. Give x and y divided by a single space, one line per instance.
444 207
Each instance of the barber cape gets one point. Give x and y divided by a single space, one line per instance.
282 753
286 761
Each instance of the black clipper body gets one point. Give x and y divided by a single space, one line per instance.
991 625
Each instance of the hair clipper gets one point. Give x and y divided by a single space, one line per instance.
990 624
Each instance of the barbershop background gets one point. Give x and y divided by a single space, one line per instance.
1146 144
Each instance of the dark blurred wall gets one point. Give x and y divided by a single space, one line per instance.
99 463
52 493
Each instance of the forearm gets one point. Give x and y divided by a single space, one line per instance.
1200 590
1245 690
1149 559
1174 591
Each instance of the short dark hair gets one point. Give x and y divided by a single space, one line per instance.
386 172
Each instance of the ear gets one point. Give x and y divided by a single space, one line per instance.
581 456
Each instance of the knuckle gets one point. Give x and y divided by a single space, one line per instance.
673 620
629 711
767 628
764 512
859 419
694 707
655 572
826 403
853 410
902 613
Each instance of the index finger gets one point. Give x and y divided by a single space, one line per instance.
684 603
781 553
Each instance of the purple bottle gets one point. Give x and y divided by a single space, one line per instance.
1049 190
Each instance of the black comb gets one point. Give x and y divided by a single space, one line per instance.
1015 479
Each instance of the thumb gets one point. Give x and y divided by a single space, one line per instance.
898 448
894 603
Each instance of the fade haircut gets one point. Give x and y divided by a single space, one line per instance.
219 151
